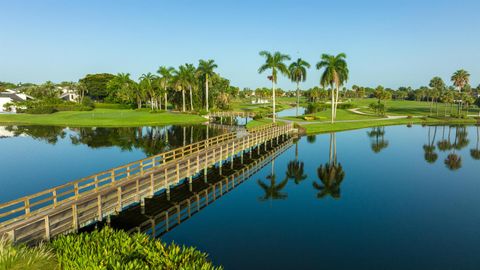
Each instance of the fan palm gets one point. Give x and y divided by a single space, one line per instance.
166 74
276 63
335 74
298 73
205 70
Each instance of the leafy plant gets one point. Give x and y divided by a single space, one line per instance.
110 249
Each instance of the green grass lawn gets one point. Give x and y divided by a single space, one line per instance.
102 117
326 115
406 107
245 104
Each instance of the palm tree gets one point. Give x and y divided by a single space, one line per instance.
181 82
205 70
331 174
166 74
334 75
273 191
298 73
460 79
191 81
146 82
275 62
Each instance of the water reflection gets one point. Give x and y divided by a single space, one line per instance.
378 142
295 168
151 140
272 190
330 174
430 155
475 152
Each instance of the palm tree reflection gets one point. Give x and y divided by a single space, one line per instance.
454 161
272 190
430 155
295 168
378 142
475 153
331 174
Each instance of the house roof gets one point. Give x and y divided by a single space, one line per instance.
12 96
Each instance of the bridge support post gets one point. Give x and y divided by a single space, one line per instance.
142 206
205 175
241 157
168 193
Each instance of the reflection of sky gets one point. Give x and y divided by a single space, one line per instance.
395 211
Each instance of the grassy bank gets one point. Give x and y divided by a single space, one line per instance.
102 117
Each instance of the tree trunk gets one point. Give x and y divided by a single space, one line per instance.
336 102
183 100
273 98
206 92
191 99
298 98
166 100
333 104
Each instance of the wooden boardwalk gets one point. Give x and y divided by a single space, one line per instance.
79 203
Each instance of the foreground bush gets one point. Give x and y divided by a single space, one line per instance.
109 249
17 257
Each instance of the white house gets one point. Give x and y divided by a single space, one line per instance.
9 96
68 94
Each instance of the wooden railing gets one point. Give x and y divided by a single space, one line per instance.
50 198
92 202
231 114
261 128
162 222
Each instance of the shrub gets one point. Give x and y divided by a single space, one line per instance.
258 116
202 112
110 249
17 257
344 106
43 109
378 108
409 117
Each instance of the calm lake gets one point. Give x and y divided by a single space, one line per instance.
379 198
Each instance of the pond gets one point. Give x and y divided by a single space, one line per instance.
379 198
291 112
34 158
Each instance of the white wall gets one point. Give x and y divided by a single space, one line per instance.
4 100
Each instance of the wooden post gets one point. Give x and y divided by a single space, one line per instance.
166 221
152 185
27 206
54 194
47 228
74 218
119 199
99 208
178 172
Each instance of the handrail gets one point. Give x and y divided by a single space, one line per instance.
75 188
102 200
261 128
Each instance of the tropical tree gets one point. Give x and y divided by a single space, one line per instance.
298 73
335 74
276 63
438 87
190 81
205 70
460 79
181 82
166 74
146 83
124 89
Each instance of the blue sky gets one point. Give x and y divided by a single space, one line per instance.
392 43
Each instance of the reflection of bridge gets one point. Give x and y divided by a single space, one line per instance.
76 204
165 211
243 114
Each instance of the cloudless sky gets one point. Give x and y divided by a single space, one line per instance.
392 43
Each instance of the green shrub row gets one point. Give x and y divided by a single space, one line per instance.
105 249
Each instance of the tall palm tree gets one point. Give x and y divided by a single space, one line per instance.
275 62
166 74
298 73
191 81
334 75
205 70
460 79
181 82
331 174
146 82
